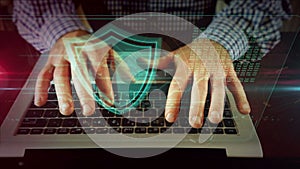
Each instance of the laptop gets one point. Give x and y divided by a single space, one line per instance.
135 122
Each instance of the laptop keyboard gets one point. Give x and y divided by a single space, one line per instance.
146 118
48 120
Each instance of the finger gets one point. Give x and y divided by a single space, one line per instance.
236 88
42 85
121 66
62 86
216 108
83 87
176 89
173 100
104 84
198 98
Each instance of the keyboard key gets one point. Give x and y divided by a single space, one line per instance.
50 131
34 113
63 131
128 122
51 104
158 122
218 131
135 113
121 103
114 121
178 130
102 130
34 123
74 114
23 131
76 131
140 130
227 105
36 131
150 113
184 122
99 122
97 113
115 130
89 130
145 104
85 122
142 121
193 130
220 124
156 94
106 113
52 88
77 104
28 123
51 113
165 130
127 130
227 113
175 124
75 96
52 96
69 123
228 122
78 113
168 124
206 123
205 131
153 130
230 131
54 123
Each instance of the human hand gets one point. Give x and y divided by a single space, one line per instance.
61 68
209 61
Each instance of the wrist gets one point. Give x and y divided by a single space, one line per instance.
220 49
72 34
76 33
210 48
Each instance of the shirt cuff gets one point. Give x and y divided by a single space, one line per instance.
228 34
56 27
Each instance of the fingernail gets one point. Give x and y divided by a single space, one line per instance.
214 117
87 109
246 106
37 101
64 108
196 119
170 117
109 100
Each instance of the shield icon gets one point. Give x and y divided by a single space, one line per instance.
128 49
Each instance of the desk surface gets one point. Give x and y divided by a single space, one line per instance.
278 130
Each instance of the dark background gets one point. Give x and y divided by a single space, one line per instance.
278 128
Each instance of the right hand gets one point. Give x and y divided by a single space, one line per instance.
60 68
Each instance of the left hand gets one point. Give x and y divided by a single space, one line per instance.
210 62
